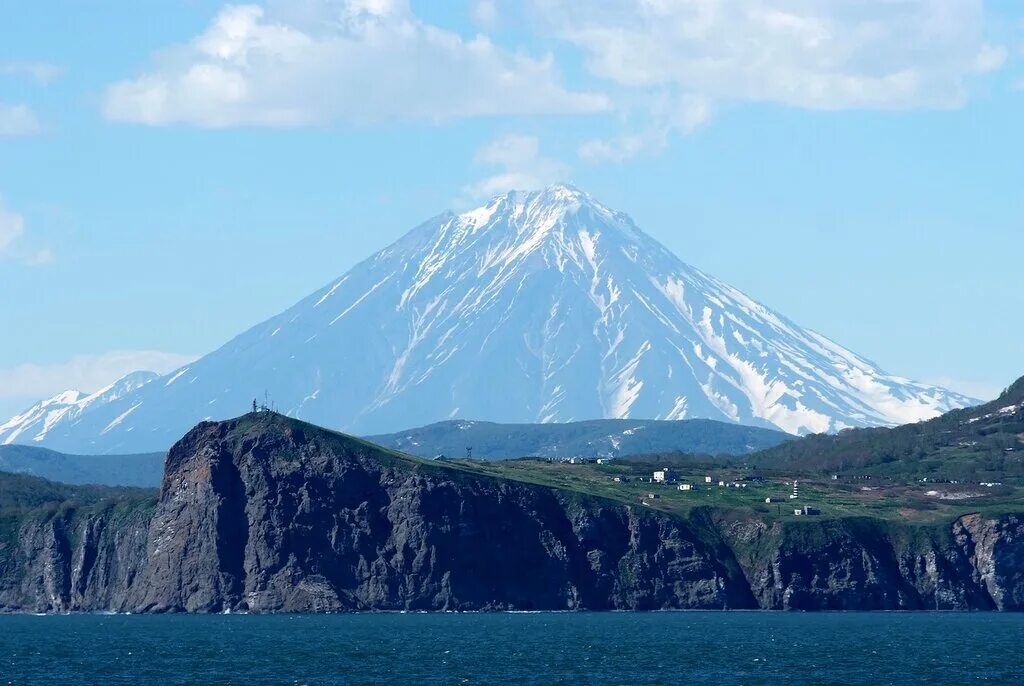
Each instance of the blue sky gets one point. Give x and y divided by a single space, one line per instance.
172 172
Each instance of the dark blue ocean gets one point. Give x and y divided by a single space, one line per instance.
616 648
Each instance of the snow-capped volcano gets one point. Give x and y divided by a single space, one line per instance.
65 408
537 307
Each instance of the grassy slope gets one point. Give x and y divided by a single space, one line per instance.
984 443
888 499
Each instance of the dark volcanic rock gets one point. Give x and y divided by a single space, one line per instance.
266 514
865 564
80 559
270 515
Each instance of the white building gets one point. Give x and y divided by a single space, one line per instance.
685 487
664 476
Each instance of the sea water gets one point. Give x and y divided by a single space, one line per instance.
543 648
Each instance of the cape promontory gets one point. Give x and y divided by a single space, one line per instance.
267 514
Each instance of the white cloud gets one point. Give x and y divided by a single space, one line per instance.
621 148
18 120
12 245
484 13
40 72
666 116
990 58
830 55
12 227
359 61
520 167
32 382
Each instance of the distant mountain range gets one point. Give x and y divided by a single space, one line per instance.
595 438
66 409
983 442
144 471
534 308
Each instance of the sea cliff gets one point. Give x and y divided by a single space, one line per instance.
267 514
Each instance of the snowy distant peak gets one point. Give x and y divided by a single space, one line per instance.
63 398
527 214
136 379
484 250
536 307
558 200
123 386
35 423
510 228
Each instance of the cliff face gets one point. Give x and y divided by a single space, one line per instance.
280 520
80 559
861 564
264 514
